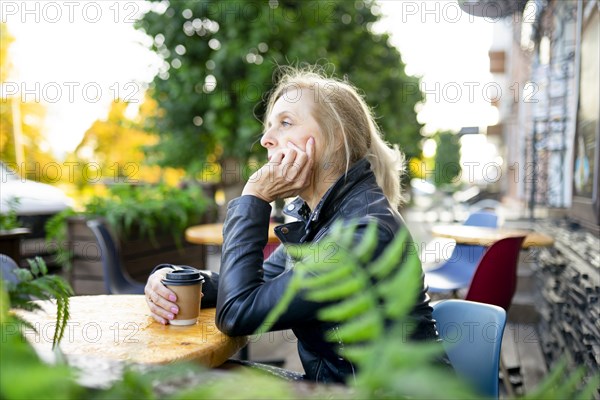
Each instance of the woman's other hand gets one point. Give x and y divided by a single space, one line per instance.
160 300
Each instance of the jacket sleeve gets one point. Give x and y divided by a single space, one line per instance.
275 264
245 294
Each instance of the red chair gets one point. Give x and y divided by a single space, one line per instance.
495 282
495 279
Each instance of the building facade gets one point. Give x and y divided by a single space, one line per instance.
545 56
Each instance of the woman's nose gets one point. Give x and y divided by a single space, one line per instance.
268 140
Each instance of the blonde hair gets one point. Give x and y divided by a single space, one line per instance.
343 116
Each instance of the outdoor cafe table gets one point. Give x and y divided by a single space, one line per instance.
212 234
484 236
120 328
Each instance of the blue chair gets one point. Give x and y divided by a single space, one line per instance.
116 279
472 336
482 218
456 272
8 266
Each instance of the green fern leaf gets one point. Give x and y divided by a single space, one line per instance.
591 387
390 258
292 290
364 250
346 238
570 384
341 290
366 327
23 275
330 277
33 266
401 291
349 308
360 354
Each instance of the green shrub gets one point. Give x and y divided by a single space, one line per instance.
130 210
9 219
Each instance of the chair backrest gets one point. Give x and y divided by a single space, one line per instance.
472 336
487 219
116 279
7 268
495 279
482 218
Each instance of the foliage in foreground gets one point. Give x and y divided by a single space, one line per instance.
390 367
22 374
35 283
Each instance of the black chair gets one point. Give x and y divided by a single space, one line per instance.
7 268
116 279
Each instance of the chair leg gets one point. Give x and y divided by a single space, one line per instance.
510 392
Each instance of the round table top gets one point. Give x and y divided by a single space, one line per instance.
482 236
212 234
119 327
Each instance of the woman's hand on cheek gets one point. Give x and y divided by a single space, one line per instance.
287 173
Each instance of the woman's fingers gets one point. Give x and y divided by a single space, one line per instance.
160 300
287 173
303 162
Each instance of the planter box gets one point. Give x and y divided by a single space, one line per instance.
139 257
10 242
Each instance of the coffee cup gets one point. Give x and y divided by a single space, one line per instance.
187 285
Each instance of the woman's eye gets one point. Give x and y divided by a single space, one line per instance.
286 123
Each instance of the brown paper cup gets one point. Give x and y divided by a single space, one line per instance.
187 285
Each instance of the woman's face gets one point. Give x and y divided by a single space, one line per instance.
291 120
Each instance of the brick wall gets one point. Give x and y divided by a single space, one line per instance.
568 290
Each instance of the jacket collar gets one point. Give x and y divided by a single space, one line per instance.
299 209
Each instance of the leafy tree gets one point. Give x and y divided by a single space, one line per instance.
447 158
5 41
219 59
32 114
113 147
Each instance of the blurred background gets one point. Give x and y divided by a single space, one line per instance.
148 113
97 94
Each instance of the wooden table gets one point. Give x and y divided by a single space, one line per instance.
482 236
212 234
119 327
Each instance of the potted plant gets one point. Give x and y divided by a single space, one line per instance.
149 222
11 231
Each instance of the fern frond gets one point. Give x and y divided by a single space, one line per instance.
33 266
390 258
400 292
346 237
591 387
364 250
550 382
292 290
349 308
330 277
358 354
368 326
341 290
62 318
23 275
37 284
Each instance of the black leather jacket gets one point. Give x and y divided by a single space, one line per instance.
249 288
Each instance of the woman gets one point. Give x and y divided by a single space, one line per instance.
324 147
